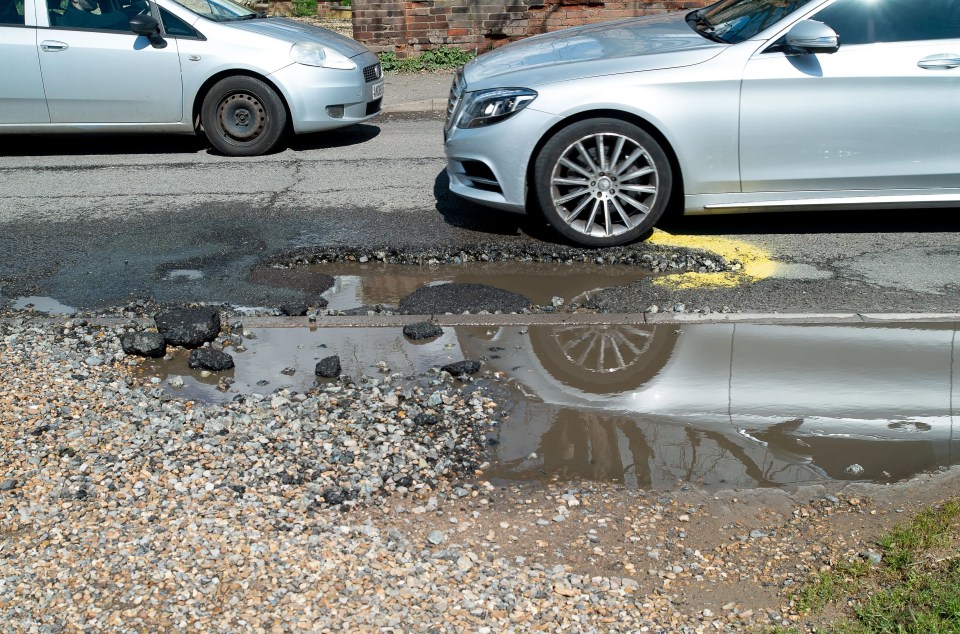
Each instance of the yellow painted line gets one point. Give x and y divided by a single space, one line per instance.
757 264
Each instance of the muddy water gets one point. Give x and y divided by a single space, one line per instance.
376 283
652 406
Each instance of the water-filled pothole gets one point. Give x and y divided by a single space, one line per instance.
359 284
732 405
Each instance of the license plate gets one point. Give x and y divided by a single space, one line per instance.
378 90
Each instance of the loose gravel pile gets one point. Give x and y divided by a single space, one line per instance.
346 508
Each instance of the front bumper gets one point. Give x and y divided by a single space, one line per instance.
489 165
325 98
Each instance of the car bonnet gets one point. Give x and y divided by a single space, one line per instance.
664 41
293 32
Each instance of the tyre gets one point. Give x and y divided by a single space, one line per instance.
602 182
242 116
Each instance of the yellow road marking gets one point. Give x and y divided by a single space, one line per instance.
757 263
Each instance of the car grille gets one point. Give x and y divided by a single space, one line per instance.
372 73
373 107
456 90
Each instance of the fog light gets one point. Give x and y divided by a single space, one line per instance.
335 112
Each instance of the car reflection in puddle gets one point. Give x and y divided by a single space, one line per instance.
725 404
732 405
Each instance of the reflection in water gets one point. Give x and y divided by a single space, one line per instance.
724 404
374 283
715 404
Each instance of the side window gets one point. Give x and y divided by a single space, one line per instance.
11 12
98 15
174 26
870 21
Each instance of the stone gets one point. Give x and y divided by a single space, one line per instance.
462 367
188 327
293 309
422 330
209 359
144 344
329 367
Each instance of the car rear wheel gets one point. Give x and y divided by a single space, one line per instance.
243 116
602 182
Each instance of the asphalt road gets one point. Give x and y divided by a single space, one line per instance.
95 222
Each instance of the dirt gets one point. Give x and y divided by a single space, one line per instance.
728 558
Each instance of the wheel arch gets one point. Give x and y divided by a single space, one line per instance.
235 72
675 204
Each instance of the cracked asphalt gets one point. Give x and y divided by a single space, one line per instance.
97 221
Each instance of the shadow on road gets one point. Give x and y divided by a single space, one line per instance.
825 222
100 144
342 137
116 143
463 214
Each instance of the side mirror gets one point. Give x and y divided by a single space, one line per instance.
810 36
147 26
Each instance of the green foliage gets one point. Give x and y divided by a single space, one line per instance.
930 528
304 8
911 591
830 586
346 3
442 58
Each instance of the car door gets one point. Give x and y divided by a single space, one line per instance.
881 114
21 89
108 75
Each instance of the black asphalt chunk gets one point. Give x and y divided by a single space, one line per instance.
422 330
462 367
328 368
144 344
188 327
457 298
209 359
293 309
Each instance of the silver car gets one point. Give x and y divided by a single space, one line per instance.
746 105
178 66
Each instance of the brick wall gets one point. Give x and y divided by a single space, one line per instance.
408 27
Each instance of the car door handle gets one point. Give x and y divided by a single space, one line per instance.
52 46
944 61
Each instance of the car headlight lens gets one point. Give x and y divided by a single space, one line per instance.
486 107
312 54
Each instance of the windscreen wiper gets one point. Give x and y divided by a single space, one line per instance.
699 22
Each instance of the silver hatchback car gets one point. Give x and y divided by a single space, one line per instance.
178 66
745 105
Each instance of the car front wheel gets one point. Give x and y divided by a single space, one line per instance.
242 116
602 182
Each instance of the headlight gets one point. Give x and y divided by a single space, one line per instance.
311 54
486 107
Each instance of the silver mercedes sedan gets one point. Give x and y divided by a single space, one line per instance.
178 66
745 105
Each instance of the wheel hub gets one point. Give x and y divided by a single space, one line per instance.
242 117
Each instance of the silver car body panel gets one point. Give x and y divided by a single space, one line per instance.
737 117
159 89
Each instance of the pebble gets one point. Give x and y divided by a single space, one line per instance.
126 507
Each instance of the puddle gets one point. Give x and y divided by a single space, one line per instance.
720 405
46 305
376 283
189 275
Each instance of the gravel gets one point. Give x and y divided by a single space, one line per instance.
353 507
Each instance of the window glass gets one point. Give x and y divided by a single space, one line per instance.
869 21
99 15
11 11
174 26
219 10
734 21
